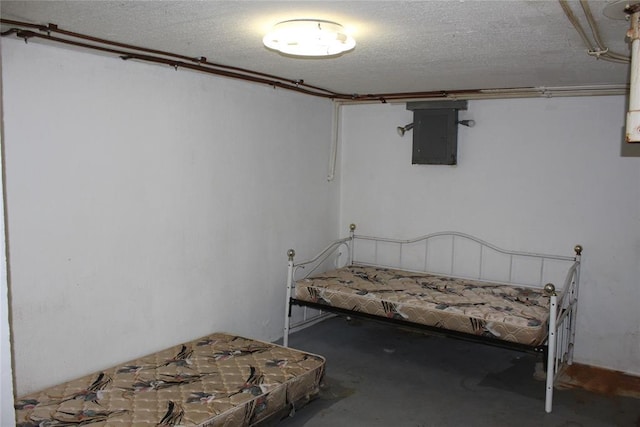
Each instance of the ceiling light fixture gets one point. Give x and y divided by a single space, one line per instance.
309 37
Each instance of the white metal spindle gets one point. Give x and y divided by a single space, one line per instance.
480 266
375 253
426 254
453 255
510 267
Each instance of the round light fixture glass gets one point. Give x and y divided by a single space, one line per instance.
309 37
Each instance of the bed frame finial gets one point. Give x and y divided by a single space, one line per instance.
291 253
578 249
352 227
550 289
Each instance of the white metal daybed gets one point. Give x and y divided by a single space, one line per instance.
446 282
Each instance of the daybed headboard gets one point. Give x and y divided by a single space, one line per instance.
460 255
448 253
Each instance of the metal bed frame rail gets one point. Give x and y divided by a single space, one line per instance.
558 350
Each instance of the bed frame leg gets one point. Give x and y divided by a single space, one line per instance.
551 347
573 304
287 303
545 358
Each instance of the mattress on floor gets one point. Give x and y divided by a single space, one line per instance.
218 380
506 312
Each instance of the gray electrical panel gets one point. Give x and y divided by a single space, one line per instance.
435 132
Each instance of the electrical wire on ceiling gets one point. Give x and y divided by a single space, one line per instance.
25 31
596 49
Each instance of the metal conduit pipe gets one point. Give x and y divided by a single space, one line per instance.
128 52
576 24
599 51
126 55
53 28
596 34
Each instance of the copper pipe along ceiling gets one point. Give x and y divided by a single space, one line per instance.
24 30
156 56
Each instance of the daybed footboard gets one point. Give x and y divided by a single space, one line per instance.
562 323
329 256
449 283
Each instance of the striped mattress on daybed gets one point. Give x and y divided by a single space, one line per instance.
502 311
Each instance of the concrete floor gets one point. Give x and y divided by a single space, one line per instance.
379 375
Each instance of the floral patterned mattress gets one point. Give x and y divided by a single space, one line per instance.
505 312
218 380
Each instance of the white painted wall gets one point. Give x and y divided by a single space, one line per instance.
148 206
536 175
7 414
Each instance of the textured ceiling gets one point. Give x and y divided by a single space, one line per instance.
401 46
